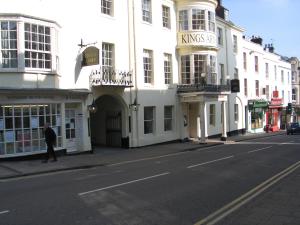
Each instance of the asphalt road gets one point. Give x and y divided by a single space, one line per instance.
179 189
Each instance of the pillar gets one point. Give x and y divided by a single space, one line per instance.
224 126
202 113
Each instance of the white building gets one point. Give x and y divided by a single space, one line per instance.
156 71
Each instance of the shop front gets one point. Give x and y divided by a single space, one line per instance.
273 115
23 114
257 110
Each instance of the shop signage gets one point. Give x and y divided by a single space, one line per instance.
275 94
197 38
257 104
276 101
235 85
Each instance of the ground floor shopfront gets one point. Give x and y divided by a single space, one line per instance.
23 114
257 115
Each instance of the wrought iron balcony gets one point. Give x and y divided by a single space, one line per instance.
109 77
184 88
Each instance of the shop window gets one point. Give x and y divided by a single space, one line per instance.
21 127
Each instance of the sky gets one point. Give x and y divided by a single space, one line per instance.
275 21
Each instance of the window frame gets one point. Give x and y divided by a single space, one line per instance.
168 118
147 11
149 118
148 66
107 7
166 16
212 114
168 68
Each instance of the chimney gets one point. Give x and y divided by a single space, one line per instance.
271 48
257 40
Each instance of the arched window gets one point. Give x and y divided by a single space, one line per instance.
90 56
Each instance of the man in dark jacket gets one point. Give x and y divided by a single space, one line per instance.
50 138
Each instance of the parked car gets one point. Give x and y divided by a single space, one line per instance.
293 128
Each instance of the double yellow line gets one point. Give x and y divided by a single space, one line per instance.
237 203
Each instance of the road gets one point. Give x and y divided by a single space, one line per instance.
205 186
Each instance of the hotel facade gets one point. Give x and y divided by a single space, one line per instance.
132 73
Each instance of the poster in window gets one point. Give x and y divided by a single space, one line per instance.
1 124
9 136
58 120
34 122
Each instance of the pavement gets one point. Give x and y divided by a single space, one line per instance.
279 205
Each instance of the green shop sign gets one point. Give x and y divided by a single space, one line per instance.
257 104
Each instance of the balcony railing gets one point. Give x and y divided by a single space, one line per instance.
184 88
204 84
109 77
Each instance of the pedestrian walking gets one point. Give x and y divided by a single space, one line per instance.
50 138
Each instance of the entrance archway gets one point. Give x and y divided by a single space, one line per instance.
108 124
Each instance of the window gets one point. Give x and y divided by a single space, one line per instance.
245 60
212 69
106 7
245 87
257 88
37 46
211 21
9 48
199 68
107 57
147 60
220 36
22 127
236 73
168 68
148 120
282 95
236 112
294 75
185 69
294 94
168 118
90 56
256 63
146 11
275 72
235 44
288 77
198 19
166 16
267 92
222 74
282 76
267 70
212 114
183 20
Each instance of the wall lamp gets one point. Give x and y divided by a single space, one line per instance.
134 106
93 107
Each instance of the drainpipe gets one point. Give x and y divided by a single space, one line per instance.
227 72
131 25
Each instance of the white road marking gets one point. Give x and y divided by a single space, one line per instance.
260 149
4 212
122 184
163 156
216 160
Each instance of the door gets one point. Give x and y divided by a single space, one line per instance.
113 129
70 126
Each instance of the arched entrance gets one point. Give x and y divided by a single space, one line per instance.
108 124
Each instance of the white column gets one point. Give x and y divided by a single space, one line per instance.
224 127
202 112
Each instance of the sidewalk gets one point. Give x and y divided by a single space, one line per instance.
105 156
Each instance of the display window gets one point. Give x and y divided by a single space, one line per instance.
21 127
